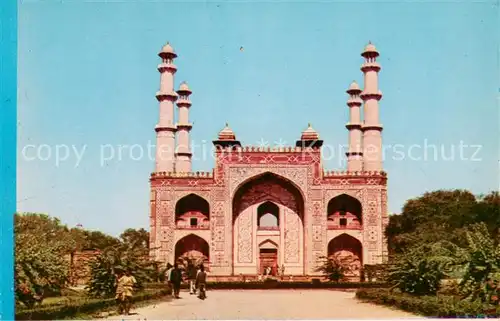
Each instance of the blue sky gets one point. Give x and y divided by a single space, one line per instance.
87 77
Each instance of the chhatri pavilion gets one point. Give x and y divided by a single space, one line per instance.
268 207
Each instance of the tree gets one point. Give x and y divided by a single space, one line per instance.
421 269
336 267
440 215
41 244
482 266
137 239
107 265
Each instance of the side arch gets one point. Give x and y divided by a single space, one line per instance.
348 250
193 247
344 211
192 211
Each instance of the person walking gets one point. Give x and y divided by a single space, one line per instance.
201 282
170 267
124 292
191 276
176 280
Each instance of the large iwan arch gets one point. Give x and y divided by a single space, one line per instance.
272 193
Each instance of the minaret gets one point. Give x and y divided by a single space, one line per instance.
355 151
372 129
165 130
183 152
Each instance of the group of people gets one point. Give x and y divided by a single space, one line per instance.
197 279
125 283
277 270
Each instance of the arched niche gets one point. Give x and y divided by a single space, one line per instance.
268 187
344 212
192 247
348 250
268 215
192 211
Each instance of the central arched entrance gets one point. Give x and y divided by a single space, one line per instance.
268 209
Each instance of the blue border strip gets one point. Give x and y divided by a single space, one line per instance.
8 126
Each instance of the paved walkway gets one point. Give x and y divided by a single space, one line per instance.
265 304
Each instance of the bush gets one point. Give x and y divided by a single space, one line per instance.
275 284
430 306
79 307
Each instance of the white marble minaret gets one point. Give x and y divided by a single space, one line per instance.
165 130
355 151
183 150
372 129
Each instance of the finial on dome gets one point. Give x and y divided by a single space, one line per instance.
309 133
167 51
370 51
353 88
227 134
184 89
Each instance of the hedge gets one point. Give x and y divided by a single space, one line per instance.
442 306
276 284
78 307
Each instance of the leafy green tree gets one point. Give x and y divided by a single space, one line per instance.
482 266
41 246
421 269
441 215
137 239
336 267
113 260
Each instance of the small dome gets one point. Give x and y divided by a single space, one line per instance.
309 134
184 89
370 50
227 133
184 86
167 51
354 86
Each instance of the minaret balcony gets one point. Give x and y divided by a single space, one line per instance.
167 67
354 102
350 126
168 128
367 127
171 96
371 95
183 102
370 66
186 126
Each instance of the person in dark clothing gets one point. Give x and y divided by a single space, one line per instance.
176 279
191 276
201 282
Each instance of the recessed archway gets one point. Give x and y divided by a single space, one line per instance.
272 194
344 211
192 211
347 249
192 247
268 215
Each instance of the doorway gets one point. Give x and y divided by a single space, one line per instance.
268 258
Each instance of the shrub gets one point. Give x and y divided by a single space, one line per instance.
84 306
430 306
482 266
421 269
276 284
336 267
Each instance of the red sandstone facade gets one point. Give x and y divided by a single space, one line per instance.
275 207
